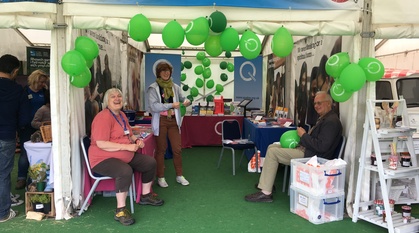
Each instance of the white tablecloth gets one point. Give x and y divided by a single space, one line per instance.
40 152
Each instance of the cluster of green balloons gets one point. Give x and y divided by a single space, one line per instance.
139 28
77 62
351 77
289 139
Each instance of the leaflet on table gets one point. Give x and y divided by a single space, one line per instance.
237 141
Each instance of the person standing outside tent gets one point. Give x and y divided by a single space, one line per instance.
164 100
15 105
35 91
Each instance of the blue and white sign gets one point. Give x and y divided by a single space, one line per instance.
248 80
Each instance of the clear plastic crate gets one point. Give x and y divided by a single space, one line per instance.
319 180
317 209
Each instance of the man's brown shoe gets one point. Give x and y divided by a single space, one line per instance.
259 197
20 184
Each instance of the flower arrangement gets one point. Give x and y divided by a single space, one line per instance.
38 172
390 111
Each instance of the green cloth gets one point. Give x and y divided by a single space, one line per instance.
167 88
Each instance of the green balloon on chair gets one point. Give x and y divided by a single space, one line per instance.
289 139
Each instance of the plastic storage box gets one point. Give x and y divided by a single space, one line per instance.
319 180
317 209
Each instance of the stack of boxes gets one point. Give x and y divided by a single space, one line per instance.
317 193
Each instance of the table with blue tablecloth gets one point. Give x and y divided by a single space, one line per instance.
263 136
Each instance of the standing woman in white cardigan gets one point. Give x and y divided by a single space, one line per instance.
164 101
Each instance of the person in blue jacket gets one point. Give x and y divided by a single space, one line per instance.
15 105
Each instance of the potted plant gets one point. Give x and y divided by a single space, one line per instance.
38 174
41 203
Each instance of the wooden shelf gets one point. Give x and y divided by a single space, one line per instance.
399 226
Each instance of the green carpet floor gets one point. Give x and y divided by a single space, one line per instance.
213 202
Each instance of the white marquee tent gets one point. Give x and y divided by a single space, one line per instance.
364 20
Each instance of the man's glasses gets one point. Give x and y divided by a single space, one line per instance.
319 102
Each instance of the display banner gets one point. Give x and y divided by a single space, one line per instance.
283 4
309 75
248 80
106 72
275 84
151 61
134 81
37 58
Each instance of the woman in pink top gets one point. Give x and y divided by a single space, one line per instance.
113 153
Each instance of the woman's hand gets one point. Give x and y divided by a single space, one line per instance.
176 105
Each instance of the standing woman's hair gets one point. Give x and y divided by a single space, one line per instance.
163 66
35 76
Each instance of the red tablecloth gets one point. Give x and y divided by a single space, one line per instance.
203 130
109 185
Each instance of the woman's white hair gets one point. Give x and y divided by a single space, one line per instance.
108 92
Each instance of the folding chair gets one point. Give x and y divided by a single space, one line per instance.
85 143
231 131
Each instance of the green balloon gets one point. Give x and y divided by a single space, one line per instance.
210 84
352 78
223 77
282 42
187 64
139 28
200 55
199 82
173 34
217 21
210 98
182 109
212 46
230 67
336 63
185 87
250 46
199 69
289 139
194 91
82 79
223 65
89 63
338 93
182 67
73 63
219 88
207 73
197 31
87 47
229 39
190 98
206 62
228 54
373 68
183 77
